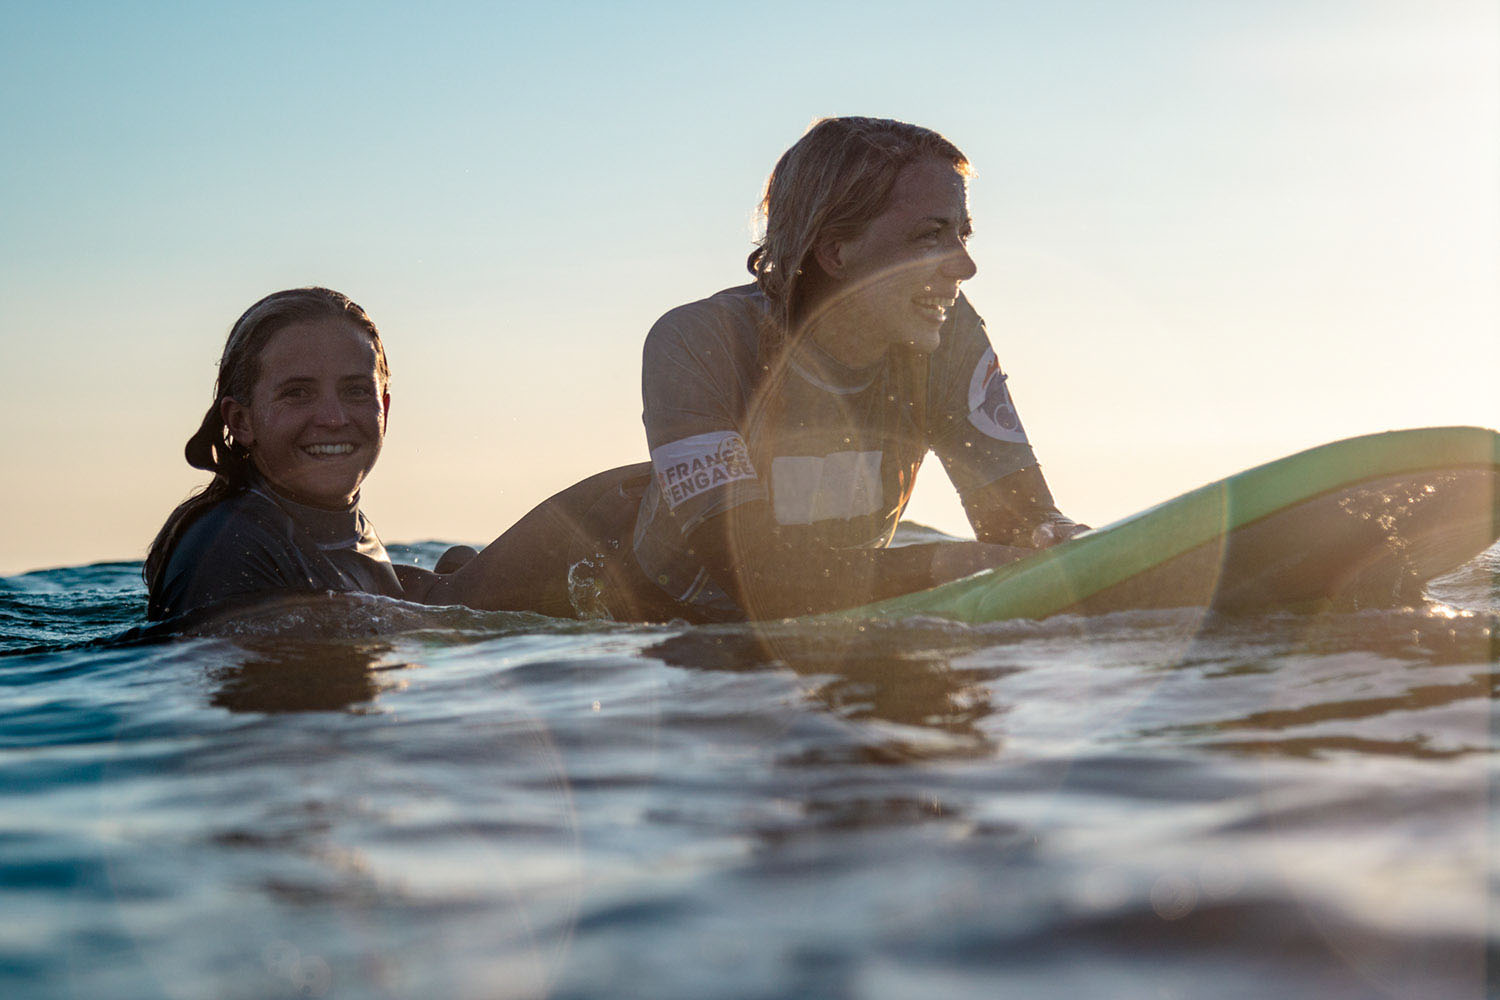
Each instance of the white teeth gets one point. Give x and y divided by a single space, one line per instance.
328 449
937 305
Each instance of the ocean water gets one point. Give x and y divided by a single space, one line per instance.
353 797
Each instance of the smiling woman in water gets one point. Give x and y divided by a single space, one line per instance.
296 424
786 419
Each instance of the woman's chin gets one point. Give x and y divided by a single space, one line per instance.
925 341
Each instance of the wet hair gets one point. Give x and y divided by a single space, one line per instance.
831 184
212 447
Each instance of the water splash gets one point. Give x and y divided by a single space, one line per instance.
586 589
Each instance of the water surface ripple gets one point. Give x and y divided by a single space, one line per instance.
358 798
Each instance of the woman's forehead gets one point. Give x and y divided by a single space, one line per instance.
319 344
930 187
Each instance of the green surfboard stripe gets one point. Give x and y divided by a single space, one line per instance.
1060 577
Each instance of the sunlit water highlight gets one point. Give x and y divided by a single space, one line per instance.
359 798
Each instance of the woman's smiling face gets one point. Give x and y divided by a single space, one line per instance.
895 281
316 417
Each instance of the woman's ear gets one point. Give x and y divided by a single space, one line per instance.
829 254
385 409
236 417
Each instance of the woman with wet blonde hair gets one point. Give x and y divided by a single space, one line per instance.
829 186
786 419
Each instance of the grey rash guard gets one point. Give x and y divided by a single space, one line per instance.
259 542
835 451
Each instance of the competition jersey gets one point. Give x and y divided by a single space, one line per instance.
258 542
835 450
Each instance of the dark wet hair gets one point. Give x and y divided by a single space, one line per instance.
831 184
212 447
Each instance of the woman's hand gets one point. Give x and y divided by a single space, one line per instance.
1054 530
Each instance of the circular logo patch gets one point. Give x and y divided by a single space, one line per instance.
990 406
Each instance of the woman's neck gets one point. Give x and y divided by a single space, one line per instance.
837 334
260 482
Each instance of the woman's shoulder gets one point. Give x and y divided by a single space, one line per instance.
246 512
734 313
246 529
241 545
703 358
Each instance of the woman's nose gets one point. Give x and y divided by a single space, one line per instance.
959 265
331 412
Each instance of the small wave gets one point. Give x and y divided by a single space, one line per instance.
1474 586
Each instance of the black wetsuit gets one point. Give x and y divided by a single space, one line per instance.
258 542
835 451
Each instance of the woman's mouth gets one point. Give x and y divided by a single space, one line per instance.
328 450
933 306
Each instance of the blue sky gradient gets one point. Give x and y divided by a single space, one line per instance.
1207 234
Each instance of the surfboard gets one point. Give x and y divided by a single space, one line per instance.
1363 522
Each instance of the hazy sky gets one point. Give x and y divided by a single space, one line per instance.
1208 233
